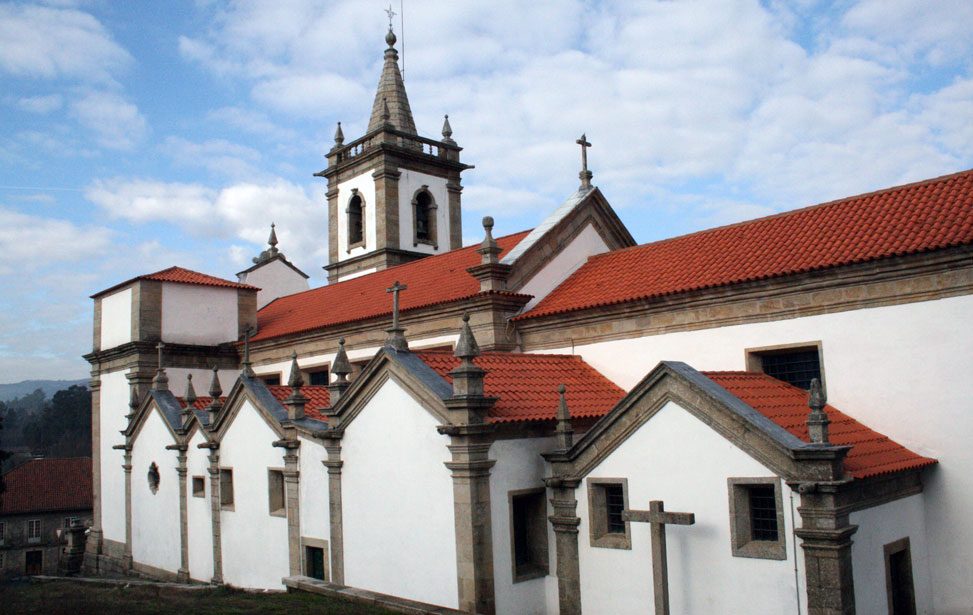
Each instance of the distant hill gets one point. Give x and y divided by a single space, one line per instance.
25 387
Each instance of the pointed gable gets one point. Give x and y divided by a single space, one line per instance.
921 217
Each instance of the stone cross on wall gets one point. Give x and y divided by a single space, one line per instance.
395 338
657 516
585 174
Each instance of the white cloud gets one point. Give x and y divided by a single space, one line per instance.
30 242
116 122
41 104
145 200
50 42
218 155
252 122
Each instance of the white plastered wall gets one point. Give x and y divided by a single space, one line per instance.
194 314
315 514
275 279
254 542
519 465
155 516
365 184
199 512
116 319
568 260
113 397
409 183
878 527
901 370
397 501
676 458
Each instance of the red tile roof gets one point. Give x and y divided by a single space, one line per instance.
920 217
871 453
317 394
526 384
43 485
431 280
179 275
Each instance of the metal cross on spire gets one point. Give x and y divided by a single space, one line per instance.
585 174
391 14
395 338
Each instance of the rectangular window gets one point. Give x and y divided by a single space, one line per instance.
528 526
226 488
34 530
796 364
199 487
271 380
3 531
319 377
69 521
314 562
34 562
898 578
275 492
756 518
607 500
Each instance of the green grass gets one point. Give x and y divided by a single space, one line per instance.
77 598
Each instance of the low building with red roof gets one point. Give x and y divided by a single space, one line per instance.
42 498
501 427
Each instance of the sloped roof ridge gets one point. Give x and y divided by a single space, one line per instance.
167 275
789 212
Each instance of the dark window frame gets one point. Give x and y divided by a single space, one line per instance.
757 359
355 213
529 555
423 201
226 489
199 486
892 551
276 492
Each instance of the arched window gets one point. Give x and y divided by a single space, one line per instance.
355 213
424 216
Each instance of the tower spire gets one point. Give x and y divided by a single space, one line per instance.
391 92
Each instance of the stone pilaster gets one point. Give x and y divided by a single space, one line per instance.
453 192
387 206
95 537
470 467
214 491
825 535
334 463
332 196
565 522
127 466
292 497
183 575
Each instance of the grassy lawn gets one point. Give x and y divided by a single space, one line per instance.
77 598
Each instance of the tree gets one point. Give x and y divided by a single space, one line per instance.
63 427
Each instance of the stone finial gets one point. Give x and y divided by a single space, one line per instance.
565 432
161 380
214 391
272 240
340 367
489 249
447 131
247 365
339 136
467 377
190 395
817 420
296 401
386 112
396 335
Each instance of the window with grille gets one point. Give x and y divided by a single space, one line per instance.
797 367
34 530
607 502
757 518
319 377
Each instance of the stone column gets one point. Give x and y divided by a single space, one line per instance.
127 466
470 467
334 463
183 575
214 491
825 535
455 215
332 196
565 523
292 495
386 207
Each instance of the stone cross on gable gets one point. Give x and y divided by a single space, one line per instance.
159 347
395 338
657 516
585 174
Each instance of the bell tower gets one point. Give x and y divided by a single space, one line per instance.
393 196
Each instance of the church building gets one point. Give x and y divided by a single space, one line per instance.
767 417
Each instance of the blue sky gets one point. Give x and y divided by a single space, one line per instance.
135 136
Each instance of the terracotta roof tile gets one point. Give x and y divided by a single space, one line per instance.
48 485
871 454
928 215
178 275
318 395
526 384
431 280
